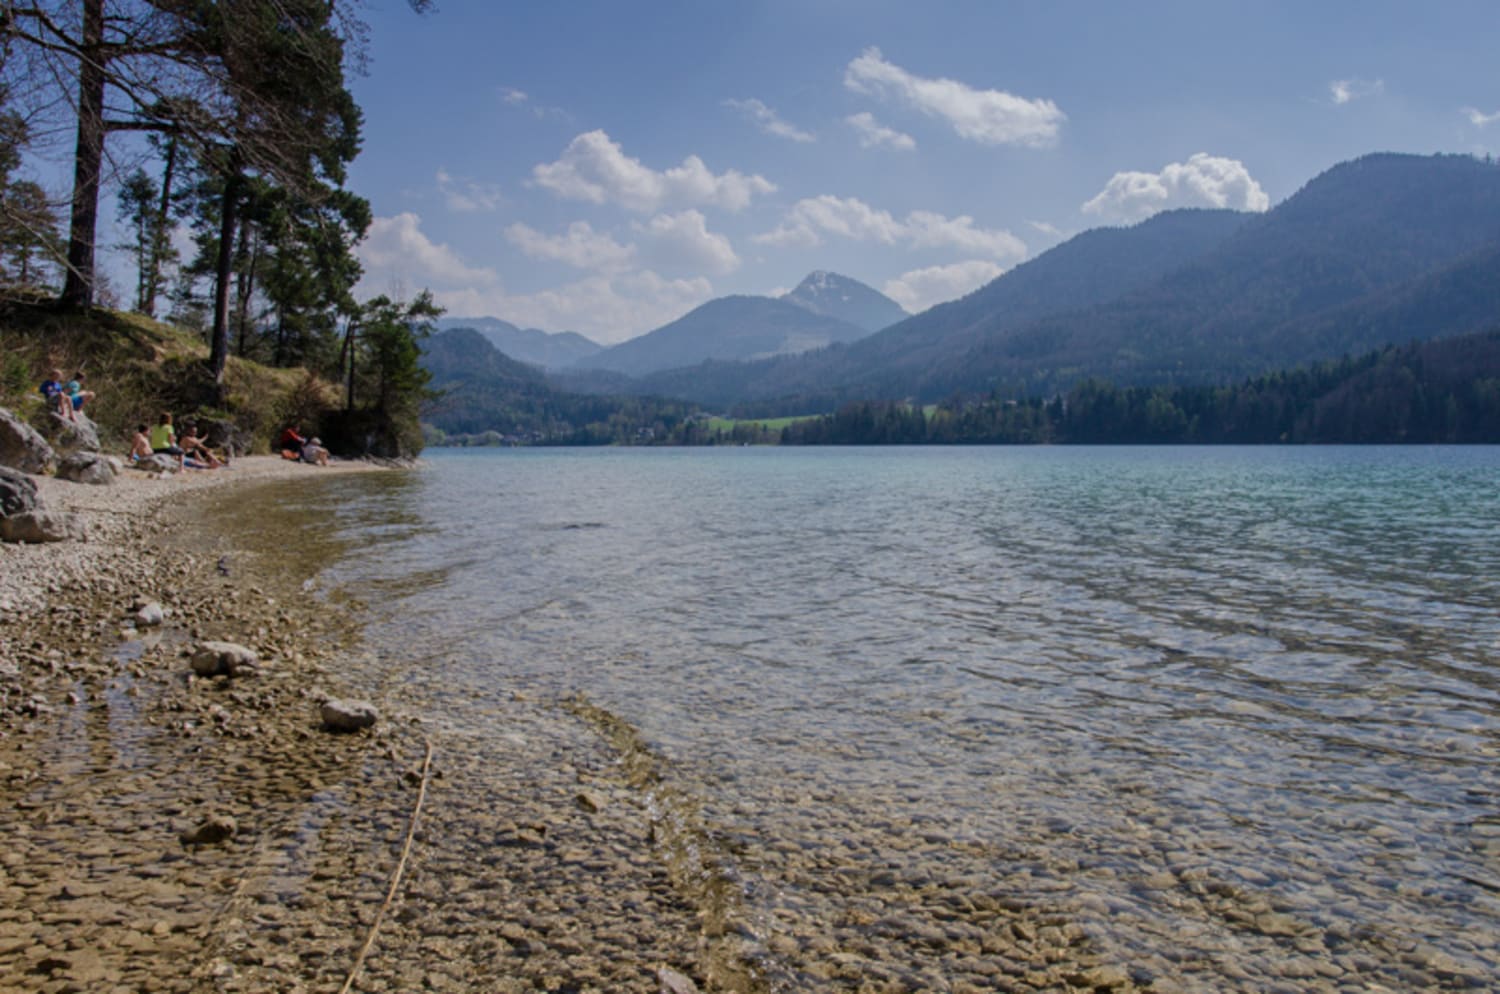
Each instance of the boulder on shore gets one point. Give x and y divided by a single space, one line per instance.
86 467
348 716
21 447
37 526
17 492
76 434
224 659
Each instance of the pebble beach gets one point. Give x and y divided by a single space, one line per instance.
170 832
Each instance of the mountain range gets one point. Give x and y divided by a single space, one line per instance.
1385 249
549 350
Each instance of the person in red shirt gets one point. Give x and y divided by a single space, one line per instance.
291 441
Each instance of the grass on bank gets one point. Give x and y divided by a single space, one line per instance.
139 368
727 425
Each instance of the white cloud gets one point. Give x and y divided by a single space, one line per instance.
991 117
769 121
466 196
511 95
922 288
872 133
1344 91
400 259
582 247
810 219
396 252
683 241
1480 119
1203 181
595 169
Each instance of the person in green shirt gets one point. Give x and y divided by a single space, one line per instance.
164 439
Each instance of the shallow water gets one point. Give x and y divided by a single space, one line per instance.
1236 712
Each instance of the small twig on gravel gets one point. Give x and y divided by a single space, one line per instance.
411 832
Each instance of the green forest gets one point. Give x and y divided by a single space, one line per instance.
240 127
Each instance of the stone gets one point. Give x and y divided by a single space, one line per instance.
211 832
39 526
348 716
17 492
150 615
156 464
86 467
67 435
21 447
672 982
224 659
589 801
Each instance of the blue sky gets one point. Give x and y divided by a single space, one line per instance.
603 167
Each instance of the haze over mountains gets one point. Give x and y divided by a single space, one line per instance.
1384 249
550 350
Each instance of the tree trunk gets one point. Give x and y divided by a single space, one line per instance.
219 350
248 253
162 231
78 288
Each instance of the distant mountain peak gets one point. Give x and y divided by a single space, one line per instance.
836 296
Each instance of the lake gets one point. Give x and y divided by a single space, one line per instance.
1235 713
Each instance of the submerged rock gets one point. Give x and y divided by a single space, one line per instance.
673 982
217 829
348 716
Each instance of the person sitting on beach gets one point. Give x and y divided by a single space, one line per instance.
313 452
164 439
291 442
140 445
77 395
194 449
57 396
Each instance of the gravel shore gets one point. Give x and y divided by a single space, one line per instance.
168 832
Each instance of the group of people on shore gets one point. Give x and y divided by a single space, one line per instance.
67 401
161 439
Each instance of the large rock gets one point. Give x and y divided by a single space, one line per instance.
38 526
86 467
348 716
21 447
17 492
224 658
68 435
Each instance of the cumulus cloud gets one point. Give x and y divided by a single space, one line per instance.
396 252
1345 91
991 117
596 170
769 121
872 133
1202 181
467 196
848 217
606 306
581 247
922 288
1479 118
683 241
